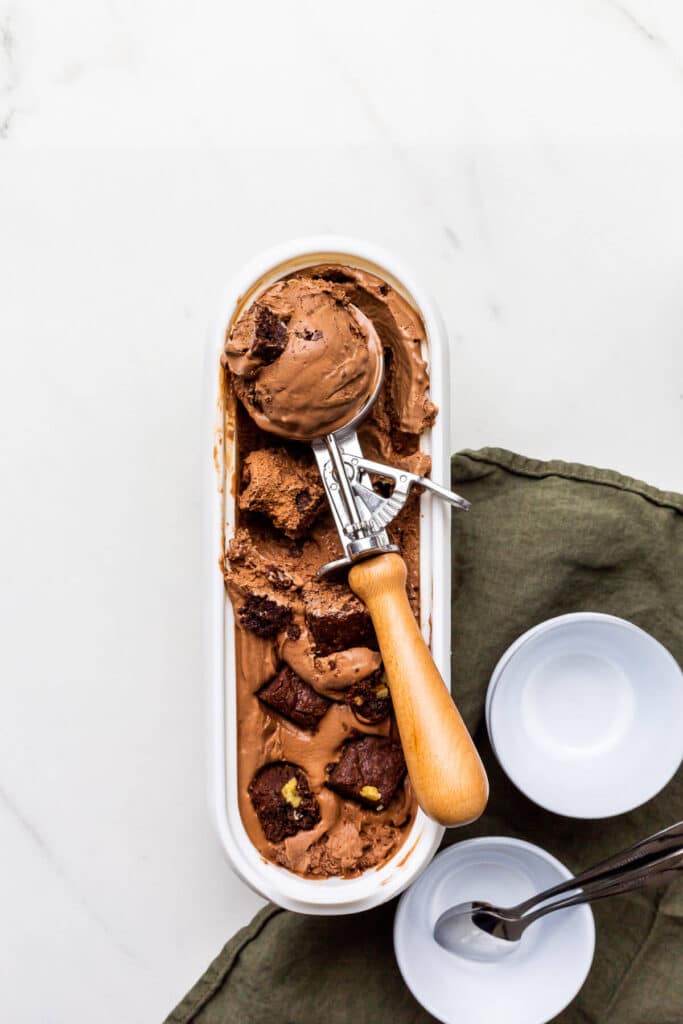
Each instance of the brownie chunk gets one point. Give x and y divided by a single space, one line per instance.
263 616
251 568
369 770
283 800
369 698
336 619
286 490
294 698
270 336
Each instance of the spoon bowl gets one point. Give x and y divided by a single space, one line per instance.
464 930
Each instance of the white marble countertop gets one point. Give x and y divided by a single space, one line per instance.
526 159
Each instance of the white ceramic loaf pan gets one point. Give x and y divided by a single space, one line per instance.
375 886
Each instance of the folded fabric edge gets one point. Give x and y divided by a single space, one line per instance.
217 972
634 962
537 469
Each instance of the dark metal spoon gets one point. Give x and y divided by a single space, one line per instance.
652 861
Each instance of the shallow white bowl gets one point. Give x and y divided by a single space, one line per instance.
585 715
529 985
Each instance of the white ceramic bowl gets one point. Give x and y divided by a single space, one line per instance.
585 715
334 895
529 985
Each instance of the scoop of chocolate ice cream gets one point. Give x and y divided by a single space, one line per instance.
305 360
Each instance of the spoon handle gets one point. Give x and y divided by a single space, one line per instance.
641 853
660 870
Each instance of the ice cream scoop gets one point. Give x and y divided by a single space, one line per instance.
309 367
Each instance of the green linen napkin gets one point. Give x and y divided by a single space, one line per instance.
542 539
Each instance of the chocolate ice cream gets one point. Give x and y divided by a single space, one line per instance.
314 711
283 488
304 358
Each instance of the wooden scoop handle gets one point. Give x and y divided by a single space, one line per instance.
444 767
